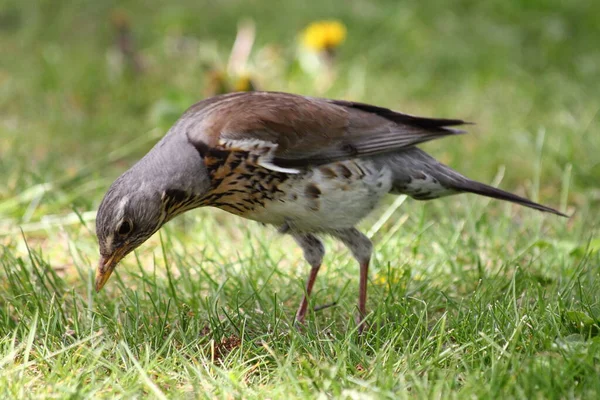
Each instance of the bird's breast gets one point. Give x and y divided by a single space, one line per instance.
326 197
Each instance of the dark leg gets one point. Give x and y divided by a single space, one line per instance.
361 247
313 253
362 292
301 313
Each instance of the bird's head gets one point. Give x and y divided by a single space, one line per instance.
171 179
128 215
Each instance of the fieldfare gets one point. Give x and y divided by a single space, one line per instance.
309 166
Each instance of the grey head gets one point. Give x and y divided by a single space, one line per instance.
169 180
128 215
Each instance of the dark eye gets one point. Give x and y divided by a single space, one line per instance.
125 228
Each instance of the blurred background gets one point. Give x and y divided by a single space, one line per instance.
467 293
87 87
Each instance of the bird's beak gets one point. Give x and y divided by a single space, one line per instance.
105 268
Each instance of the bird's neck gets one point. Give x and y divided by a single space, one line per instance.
174 167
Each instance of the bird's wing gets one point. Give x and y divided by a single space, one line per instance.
302 131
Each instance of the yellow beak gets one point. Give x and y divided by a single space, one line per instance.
105 268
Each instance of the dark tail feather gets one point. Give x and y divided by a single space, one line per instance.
489 191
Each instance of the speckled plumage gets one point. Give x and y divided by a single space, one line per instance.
307 166
328 197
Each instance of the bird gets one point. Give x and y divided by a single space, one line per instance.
311 167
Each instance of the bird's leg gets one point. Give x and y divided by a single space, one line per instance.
313 253
362 292
361 247
301 313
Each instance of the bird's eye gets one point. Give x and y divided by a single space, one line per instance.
125 228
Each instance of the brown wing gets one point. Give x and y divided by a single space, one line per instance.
308 131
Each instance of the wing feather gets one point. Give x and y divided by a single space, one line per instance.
308 131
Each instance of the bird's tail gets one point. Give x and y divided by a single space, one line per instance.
471 186
420 176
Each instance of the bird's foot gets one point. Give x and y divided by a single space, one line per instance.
300 321
301 313
325 306
361 322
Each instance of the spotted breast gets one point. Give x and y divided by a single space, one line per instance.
328 197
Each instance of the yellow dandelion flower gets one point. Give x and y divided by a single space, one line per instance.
244 83
398 277
324 35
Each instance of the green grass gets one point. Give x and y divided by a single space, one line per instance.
469 297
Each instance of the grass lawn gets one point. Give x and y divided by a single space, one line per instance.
469 297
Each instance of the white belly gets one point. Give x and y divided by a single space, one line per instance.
326 199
